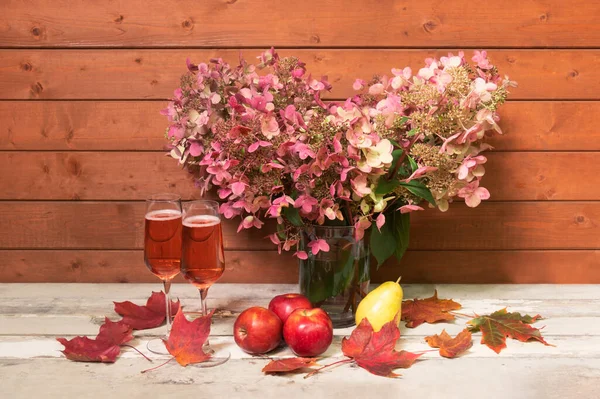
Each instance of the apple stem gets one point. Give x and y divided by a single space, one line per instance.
397 281
160 365
344 361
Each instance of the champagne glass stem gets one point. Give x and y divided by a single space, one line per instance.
204 310
167 288
203 293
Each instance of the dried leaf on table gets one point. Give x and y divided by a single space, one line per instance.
289 364
152 315
375 351
501 324
187 338
429 310
451 347
104 348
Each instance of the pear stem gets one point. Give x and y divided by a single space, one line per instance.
398 281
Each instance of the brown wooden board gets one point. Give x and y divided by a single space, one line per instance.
493 225
154 74
134 126
218 23
453 267
135 175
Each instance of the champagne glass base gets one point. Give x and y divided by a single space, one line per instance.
157 346
219 356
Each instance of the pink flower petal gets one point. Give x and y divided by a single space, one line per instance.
224 192
380 221
196 149
409 208
238 188
301 255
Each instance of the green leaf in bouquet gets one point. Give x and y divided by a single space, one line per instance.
292 214
402 230
385 186
394 142
383 243
420 190
412 132
413 163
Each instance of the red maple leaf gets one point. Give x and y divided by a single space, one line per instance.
187 338
153 314
429 310
501 324
451 347
289 364
375 351
104 348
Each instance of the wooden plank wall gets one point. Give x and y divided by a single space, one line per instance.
81 84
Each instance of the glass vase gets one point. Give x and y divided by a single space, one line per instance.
338 279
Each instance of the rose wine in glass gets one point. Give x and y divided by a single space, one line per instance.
162 248
203 257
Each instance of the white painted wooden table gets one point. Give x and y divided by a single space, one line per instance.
33 315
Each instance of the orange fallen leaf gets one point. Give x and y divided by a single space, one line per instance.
501 324
289 364
104 348
375 351
153 314
451 347
187 338
429 310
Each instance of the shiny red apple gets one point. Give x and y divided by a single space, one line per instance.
284 305
308 332
257 330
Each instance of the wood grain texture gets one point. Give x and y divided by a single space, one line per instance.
493 225
435 267
132 125
82 125
219 23
92 225
154 74
136 175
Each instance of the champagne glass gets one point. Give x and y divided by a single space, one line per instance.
203 257
162 249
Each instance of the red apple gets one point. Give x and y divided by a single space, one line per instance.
284 305
308 332
257 330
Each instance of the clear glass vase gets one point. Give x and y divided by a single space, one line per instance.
336 280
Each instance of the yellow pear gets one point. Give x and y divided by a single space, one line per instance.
381 305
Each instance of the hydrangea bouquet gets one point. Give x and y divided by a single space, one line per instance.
263 137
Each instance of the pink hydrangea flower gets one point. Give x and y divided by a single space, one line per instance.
361 185
219 170
481 59
318 245
358 84
270 127
255 146
228 211
306 203
473 194
409 208
359 228
471 167
249 222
